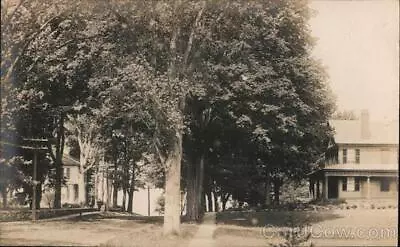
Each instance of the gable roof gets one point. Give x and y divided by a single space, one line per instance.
349 132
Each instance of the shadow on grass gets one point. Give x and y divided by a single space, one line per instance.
274 218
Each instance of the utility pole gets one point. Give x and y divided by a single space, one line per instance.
36 145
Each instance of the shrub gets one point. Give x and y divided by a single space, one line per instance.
296 235
71 205
160 204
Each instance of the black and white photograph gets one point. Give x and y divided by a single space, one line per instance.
199 123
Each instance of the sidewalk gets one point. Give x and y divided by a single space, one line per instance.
204 236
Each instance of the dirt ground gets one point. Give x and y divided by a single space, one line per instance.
92 230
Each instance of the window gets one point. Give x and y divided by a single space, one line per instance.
357 184
344 184
76 191
385 184
350 184
357 156
344 156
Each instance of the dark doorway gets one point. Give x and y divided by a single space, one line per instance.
333 190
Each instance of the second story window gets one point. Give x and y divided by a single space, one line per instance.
344 156
357 156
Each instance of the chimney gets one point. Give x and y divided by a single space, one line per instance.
365 131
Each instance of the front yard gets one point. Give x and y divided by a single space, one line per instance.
93 230
327 228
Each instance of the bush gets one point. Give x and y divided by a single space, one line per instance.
71 205
296 235
160 204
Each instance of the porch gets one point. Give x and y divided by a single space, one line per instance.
338 182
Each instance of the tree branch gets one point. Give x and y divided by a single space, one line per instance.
9 18
191 36
26 45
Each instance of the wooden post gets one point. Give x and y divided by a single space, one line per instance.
34 214
368 188
326 187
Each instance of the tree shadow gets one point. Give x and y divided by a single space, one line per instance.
273 218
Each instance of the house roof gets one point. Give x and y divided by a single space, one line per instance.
68 160
362 167
349 132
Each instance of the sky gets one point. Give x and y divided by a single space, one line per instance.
358 43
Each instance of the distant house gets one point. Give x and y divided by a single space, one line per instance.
73 188
361 162
70 192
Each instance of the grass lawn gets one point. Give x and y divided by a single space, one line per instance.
93 230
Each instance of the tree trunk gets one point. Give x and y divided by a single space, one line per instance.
108 190
131 191
224 204
191 206
200 187
203 204
4 196
124 199
87 187
216 204
58 163
224 199
172 188
267 191
81 188
115 196
96 188
277 188
209 200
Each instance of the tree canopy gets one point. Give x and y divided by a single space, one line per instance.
227 89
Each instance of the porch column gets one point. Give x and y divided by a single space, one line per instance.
368 188
318 192
325 187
